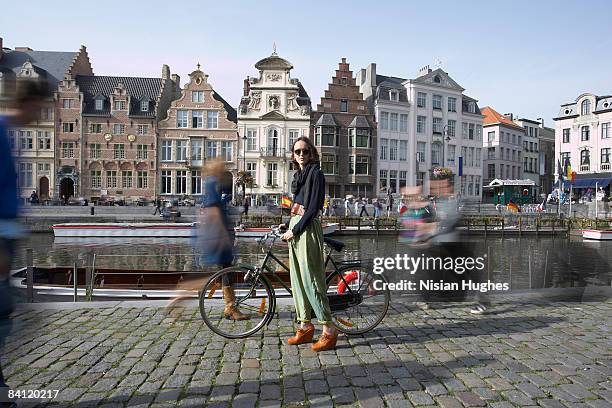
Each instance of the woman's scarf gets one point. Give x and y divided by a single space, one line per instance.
301 176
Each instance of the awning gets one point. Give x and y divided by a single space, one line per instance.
585 183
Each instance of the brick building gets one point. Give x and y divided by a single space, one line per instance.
200 125
344 130
106 129
33 145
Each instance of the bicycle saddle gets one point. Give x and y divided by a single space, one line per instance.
337 245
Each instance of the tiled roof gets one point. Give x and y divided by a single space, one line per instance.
327 119
231 112
138 89
492 117
54 63
359 121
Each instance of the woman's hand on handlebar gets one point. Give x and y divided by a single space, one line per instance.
287 236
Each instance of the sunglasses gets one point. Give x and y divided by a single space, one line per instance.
298 152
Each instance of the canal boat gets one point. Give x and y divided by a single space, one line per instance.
258 232
123 230
598 235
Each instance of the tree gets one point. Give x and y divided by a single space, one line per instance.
244 179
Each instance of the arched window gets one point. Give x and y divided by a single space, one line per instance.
584 158
273 142
585 108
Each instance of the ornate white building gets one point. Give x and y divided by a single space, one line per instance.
274 111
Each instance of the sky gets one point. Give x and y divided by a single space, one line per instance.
524 57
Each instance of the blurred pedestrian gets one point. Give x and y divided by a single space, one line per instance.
28 103
377 208
247 203
326 206
347 207
158 206
364 202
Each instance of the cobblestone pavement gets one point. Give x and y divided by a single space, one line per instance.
522 354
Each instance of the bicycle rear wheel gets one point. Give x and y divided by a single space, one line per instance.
253 297
359 301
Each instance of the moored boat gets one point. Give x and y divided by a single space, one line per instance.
122 230
599 235
258 232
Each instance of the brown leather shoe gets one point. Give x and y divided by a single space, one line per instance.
326 342
302 336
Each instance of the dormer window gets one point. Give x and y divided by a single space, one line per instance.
472 107
99 104
144 106
437 79
393 96
197 96
119 105
585 107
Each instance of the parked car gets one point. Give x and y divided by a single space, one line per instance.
78 201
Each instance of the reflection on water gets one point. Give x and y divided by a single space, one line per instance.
524 262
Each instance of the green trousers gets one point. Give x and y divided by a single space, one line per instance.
307 272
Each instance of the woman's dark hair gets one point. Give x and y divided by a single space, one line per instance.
314 153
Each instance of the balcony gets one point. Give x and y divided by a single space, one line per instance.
585 167
272 152
605 167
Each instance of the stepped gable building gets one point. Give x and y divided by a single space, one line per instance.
344 131
33 145
107 134
273 112
200 126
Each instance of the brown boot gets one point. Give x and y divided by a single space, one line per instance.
326 342
301 336
232 312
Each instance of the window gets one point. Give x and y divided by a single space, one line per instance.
251 168
393 180
211 149
142 129
437 125
437 102
111 179
99 104
226 150
181 119
293 135
384 148
181 150
584 133
213 119
450 156
403 174
605 130
197 119
491 153
531 146
196 149
118 128
472 107
393 122
271 179
141 152
119 105
196 182
421 146
491 171
420 178
403 123
25 175
44 140
393 96
421 99
11 134
435 153
421 120
362 165
142 180
251 142
44 167
565 157
67 150
126 179
491 136
95 151
382 177
329 163
585 158
119 151
451 128
67 103
479 133
181 182
359 137
605 155
68 127
384 120
452 104
144 106
166 150
471 128
464 130
403 150
470 158
96 179
343 105
585 107
393 149
197 96
325 136
166 182
530 131
273 145
95 128
344 81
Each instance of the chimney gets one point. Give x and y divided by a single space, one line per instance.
509 116
165 72
372 73
177 80
541 120
22 49
425 70
245 87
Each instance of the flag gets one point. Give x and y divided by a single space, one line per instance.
567 167
542 206
285 202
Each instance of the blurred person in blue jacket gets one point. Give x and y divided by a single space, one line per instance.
27 105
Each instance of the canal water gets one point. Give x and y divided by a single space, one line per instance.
523 263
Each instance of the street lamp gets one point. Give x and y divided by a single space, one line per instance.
446 138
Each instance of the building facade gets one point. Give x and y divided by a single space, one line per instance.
584 139
344 131
200 126
388 99
273 112
34 145
531 149
503 147
106 129
547 159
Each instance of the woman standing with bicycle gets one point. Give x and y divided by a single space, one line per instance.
306 256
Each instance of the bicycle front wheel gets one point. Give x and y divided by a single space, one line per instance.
359 299
236 289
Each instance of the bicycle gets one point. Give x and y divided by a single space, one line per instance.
359 299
